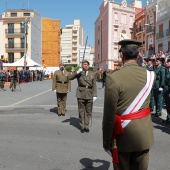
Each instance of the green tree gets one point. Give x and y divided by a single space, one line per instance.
68 68
76 68
91 68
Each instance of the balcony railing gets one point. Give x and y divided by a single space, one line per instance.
159 35
150 30
168 32
15 46
139 29
14 31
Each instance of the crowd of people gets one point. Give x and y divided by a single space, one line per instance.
19 76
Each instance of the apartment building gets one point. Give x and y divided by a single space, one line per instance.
163 26
86 52
2 39
72 36
50 42
18 25
139 27
114 23
150 27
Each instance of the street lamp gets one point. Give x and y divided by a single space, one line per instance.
25 26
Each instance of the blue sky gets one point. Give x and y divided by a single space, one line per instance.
64 10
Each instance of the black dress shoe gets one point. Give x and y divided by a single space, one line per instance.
59 114
63 115
82 131
87 130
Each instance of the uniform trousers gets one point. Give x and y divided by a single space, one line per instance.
158 101
167 102
2 84
13 83
85 111
61 102
133 160
152 102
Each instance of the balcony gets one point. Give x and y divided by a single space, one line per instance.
14 31
74 57
15 46
116 22
75 34
159 35
74 51
168 32
140 29
74 39
116 39
150 30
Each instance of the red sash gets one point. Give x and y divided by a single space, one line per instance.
118 130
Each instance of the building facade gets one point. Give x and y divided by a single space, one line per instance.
18 25
50 42
150 27
163 26
86 52
114 23
139 27
72 37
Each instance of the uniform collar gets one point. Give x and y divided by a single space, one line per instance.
130 64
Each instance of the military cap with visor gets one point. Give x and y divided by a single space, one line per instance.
85 61
129 42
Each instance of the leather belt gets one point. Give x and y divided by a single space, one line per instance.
62 82
87 87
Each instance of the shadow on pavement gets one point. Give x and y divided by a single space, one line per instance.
97 164
73 121
161 125
54 110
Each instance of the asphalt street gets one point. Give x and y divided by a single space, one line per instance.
33 137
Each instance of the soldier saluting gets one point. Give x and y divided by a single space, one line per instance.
86 93
127 124
61 85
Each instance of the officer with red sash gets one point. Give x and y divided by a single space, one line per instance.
127 124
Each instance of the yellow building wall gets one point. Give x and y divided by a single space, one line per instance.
50 42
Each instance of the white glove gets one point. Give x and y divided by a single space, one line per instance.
55 91
94 98
109 152
160 89
79 70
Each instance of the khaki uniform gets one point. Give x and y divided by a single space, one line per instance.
62 85
122 87
14 77
86 90
2 80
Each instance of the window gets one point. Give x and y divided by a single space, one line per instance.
98 56
13 14
160 47
116 16
21 54
10 42
10 57
98 41
131 19
10 28
26 14
124 18
115 33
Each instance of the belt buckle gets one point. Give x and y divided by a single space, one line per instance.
86 87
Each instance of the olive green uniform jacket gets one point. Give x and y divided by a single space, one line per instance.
122 87
61 82
86 85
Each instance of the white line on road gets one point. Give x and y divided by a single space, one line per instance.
29 98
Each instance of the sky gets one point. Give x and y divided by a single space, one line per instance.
64 10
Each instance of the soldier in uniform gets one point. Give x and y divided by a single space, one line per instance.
2 79
150 67
61 85
86 93
127 124
167 90
14 79
159 86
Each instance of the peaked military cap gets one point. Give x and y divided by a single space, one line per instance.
160 59
129 42
85 61
146 59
